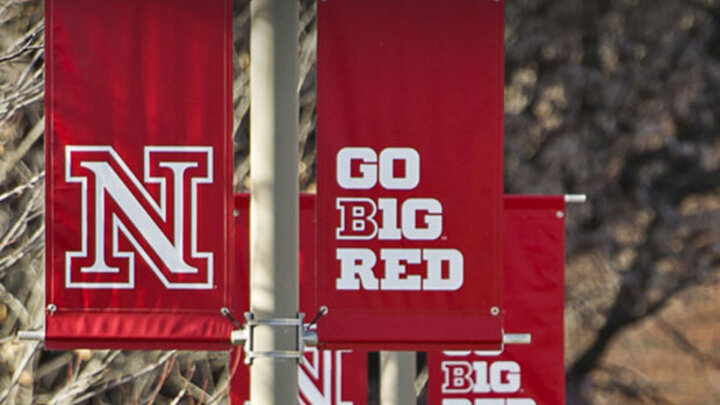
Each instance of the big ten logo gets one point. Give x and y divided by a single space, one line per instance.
387 219
320 378
488 379
122 216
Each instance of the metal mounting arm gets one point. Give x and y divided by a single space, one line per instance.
245 337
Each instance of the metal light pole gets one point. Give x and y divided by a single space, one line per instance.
274 200
397 378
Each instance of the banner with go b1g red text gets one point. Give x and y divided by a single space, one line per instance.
139 163
410 173
519 374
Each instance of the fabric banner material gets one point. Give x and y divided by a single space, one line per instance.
325 377
139 173
410 179
520 374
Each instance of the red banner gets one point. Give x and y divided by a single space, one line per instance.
325 377
139 164
410 155
521 374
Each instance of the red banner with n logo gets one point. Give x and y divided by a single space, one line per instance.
139 163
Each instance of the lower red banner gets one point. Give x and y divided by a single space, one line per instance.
520 374
325 377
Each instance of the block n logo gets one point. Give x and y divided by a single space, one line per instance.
320 378
156 219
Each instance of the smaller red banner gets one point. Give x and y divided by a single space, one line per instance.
520 374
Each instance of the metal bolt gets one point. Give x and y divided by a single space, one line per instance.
559 214
51 308
495 311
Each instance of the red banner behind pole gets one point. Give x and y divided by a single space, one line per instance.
139 163
521 374
410 155
325 377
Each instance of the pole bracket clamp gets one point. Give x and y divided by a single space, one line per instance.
247 334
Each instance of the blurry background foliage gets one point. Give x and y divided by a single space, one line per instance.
617 99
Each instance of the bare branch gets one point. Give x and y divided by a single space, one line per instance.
11 158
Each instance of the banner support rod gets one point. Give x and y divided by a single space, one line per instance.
31 335
575 198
